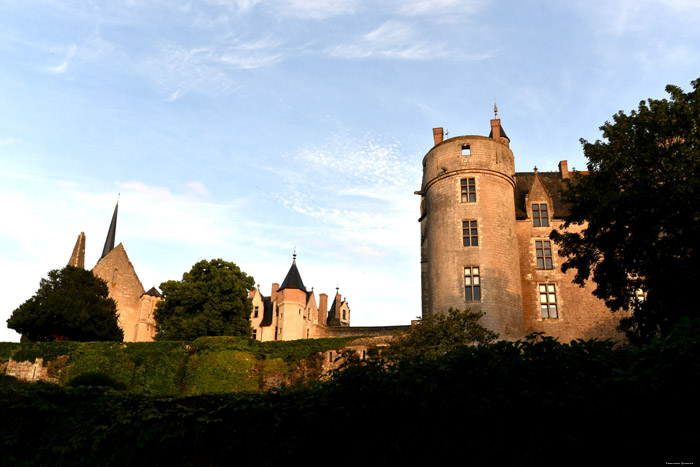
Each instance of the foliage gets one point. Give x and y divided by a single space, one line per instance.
96 379
438 334
641 202
528 403
72 304
210 300
206 365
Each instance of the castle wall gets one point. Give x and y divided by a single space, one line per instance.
580 313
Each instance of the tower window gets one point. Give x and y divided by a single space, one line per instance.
255 313
466 150
543 252
470 235
548 300
468 190
472 283
540 216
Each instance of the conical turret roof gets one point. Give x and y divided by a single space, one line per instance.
111 233
293 279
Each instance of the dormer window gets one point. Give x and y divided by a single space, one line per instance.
540 215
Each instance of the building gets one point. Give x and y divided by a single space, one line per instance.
135 305
485 242
291 312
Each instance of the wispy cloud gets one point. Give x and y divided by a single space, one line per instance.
441 9
8 141
392 39
315 9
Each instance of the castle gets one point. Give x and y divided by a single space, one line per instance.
485 242
289 312
484 236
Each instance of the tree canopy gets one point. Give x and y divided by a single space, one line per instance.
437 334
639 207
210 300
72 304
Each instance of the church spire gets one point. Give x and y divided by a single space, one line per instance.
112 233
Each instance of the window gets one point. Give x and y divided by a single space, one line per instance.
548 300
468 190
469 234
466 151
540 217
255 313
543 252
472 284
255 334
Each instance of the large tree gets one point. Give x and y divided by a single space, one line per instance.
72 304
437 334
210 300
640 208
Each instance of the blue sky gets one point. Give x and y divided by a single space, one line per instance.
243 129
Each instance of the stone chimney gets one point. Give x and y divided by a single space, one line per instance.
273 294
322 308
438 134
564 169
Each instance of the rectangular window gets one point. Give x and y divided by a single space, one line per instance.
543 252
468 189
255 314
255 334
466 150
548 301
470 235
540 217
472 283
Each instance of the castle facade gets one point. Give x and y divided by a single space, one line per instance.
485 242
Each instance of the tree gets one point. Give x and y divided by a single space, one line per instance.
437 334
210 300
72 304
640 211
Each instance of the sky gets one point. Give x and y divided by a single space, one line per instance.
249 129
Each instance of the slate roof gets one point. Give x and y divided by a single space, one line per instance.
267 311
332 319
552 181
293 279
503 132
111 233
152 292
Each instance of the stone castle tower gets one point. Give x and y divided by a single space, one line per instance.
468 232
485 242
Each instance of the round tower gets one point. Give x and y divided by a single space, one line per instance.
469 246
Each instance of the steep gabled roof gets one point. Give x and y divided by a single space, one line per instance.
293 279
551 181
153 292
267 311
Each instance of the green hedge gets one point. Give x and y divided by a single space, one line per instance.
529 403
205 365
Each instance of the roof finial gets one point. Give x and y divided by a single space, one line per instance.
495 108
294 256
535 169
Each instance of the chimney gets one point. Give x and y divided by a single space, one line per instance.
438 135
322 308
564 169
273 294
496 129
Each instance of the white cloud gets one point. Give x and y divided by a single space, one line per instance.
390 40
8 141
315 9
440 9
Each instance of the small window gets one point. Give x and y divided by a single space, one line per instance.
468 190
344 315
548 300
540 216
255 312
470 235
255 334
466 150
543 252
472 283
